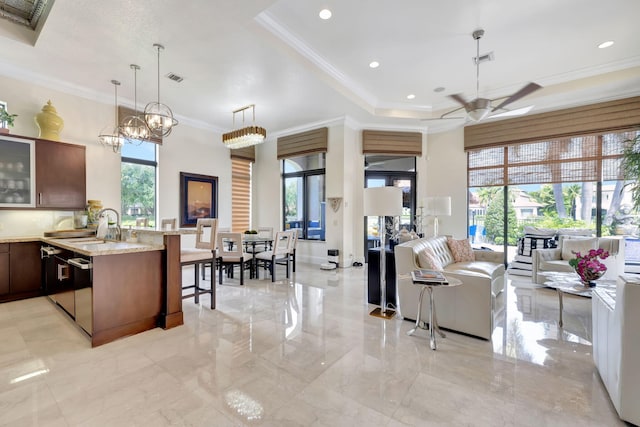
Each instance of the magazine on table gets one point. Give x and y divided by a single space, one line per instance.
429 276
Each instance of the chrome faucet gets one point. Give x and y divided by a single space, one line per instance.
118 231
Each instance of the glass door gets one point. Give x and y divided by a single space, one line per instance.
405 181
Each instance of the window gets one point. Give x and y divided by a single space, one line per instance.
572 182
138 183
304 199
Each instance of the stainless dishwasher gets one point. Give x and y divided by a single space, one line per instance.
82 284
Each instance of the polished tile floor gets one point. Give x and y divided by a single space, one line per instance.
304 352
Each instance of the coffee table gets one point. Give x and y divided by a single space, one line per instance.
433 321
569 283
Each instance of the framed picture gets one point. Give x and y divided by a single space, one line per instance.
198 198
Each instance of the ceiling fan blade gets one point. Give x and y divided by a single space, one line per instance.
444 116
459 99
512 113
530 88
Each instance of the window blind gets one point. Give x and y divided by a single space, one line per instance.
578 159
313 141
245 153
240 194
389 142
594 119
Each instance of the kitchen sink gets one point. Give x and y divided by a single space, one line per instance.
86 240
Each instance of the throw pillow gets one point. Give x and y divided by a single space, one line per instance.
527 244
461 250
427 259
569 246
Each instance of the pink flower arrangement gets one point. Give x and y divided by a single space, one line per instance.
588 266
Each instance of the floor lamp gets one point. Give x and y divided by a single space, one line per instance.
437 206
382 202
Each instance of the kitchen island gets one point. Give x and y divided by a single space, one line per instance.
111 289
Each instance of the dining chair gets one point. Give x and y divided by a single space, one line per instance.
279 252
168 223
203 253
294 245
230 253
204 267
142 222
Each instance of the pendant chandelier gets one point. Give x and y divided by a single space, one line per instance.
159 117
110 136
133 128
246 136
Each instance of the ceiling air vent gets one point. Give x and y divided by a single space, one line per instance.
174 77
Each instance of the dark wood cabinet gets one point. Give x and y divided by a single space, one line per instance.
20 271
4 269
25 269
61 177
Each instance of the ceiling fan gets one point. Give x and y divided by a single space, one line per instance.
480 108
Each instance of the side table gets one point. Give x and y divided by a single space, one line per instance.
433 321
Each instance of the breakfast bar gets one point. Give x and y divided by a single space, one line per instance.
111 289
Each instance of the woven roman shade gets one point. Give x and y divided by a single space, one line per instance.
124 112
245 153
601 118
240 194
299 144
578 159
390 142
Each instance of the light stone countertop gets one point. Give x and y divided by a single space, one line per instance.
99 247
96 247
20 239
159 231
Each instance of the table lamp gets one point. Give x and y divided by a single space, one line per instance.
437 206
382 202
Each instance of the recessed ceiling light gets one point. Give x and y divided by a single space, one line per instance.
325 14
605 44
411 96
374 64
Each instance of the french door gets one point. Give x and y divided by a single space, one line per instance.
407 182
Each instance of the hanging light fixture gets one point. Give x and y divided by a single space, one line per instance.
133 128
110 136
159 117
247 136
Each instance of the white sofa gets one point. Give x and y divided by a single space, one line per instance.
553 260
616 344
468 308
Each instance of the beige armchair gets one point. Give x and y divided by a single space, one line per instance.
557 259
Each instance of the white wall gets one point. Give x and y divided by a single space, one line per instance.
266 197
446 176
187 149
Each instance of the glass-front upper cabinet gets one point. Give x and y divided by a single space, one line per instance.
17 172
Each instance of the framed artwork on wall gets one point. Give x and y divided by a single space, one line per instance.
198 198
